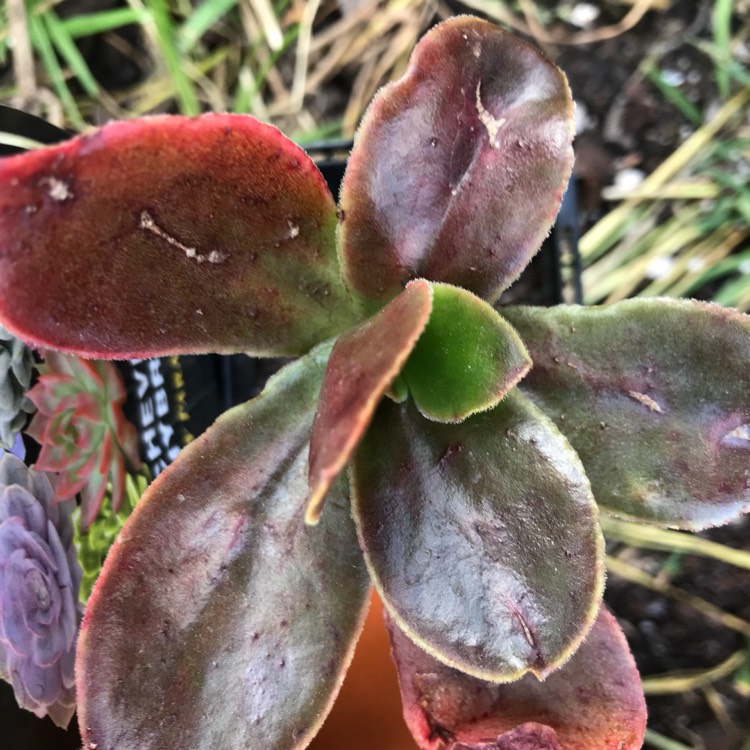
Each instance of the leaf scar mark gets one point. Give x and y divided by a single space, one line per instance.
490 123
147 222
647 401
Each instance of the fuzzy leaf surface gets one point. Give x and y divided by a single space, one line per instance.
479 126
653 395
593 702
362 366
170 235
482 538
220 619
466 360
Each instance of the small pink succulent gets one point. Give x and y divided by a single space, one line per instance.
84 435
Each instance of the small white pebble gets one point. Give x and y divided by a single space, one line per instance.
672 77
628 179
583 15
658 268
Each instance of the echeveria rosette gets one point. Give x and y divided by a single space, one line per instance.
475 515
16 368
39 581
86 440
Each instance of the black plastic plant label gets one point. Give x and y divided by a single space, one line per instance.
156 406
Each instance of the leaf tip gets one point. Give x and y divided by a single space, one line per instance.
315 502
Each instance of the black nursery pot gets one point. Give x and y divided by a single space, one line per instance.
22 730
199 388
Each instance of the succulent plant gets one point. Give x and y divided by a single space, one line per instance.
227 612
16 368
39 580
93 543
86 440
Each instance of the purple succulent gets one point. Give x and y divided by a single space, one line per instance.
39 580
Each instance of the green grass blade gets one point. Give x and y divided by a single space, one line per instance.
737 262
3 35
722 23
201 20
88 24
660 742
19 141
250 86
165 37
652 537
730 292
67 49
675 96
42 44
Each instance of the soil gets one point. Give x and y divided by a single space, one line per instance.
667 636
623 119
625 122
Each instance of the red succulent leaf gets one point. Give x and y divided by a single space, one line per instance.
60 364
89 375
67 485
77 465
593 702
50 391
220 619
117 482
363 364
653 395
38 426
53 458
482 538
127 436
92 493
58 442
480 126
88 407
170 235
